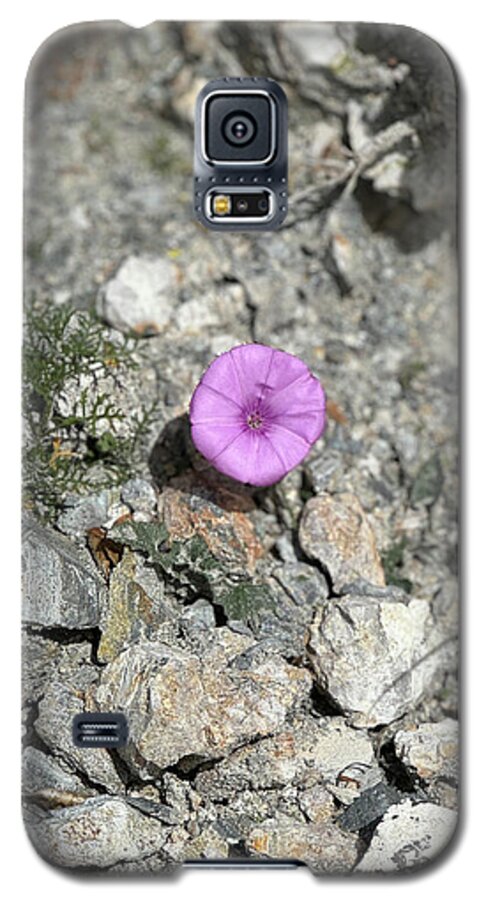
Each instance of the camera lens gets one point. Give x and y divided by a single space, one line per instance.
242 205
239 129
263 205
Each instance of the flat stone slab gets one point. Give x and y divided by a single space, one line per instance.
95 834
376 656
335 531
199 705
408 837
61 589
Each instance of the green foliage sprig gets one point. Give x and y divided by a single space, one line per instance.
190 565
63 452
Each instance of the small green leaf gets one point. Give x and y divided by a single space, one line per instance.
245 601
392 562
428 482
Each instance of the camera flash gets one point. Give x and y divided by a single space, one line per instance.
221 205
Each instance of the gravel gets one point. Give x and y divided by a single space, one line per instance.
286 658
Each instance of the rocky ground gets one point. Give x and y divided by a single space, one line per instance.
286 657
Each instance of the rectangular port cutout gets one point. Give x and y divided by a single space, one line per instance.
100 730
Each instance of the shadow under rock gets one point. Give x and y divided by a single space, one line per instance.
395 218
174 460
171 454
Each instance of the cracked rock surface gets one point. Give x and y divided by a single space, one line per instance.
408 837
98 832
335 531
201 704
286 657
375 656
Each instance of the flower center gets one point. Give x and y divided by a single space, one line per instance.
254 420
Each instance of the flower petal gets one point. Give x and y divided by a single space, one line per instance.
251 458
291 447
303 394
300 408
308 426
285 370
209 403
248 378
213 440
252 364
225 375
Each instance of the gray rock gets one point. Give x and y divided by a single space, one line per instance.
89 512
376 656
322 847
369 806
154 808
96 834
60 703
318 44
209 844
140 297
430 750
61 588
155 863
136 608
48 781
199 615
428 482
408 837
224 705
223 306
44 660
317 803
249 808
322 468
140 496
305 753
335 531
297 590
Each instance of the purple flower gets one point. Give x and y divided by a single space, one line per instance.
256 413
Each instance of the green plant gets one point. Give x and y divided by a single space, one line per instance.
246 601
428 482
392 561
409 371
187 564
190 566
69 452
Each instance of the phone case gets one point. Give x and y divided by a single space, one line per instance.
275 665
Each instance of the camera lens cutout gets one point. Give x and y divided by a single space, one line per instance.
239 128
240 154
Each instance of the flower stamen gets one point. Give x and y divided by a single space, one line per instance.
254 420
